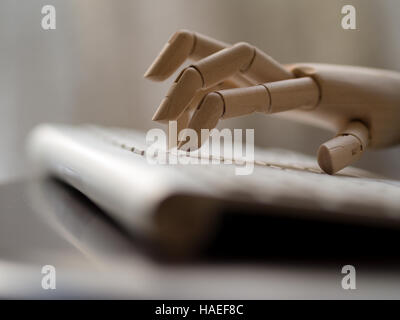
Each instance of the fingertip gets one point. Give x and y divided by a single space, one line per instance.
339 152
150 75
325 159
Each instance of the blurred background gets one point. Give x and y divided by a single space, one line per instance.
90 69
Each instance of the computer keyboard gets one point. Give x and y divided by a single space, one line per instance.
113 169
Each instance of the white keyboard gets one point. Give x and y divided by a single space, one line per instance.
109 166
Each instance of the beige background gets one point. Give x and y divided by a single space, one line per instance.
90 68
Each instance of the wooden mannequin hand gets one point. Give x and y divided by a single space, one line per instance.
361 105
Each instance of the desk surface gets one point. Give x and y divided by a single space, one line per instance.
47 223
